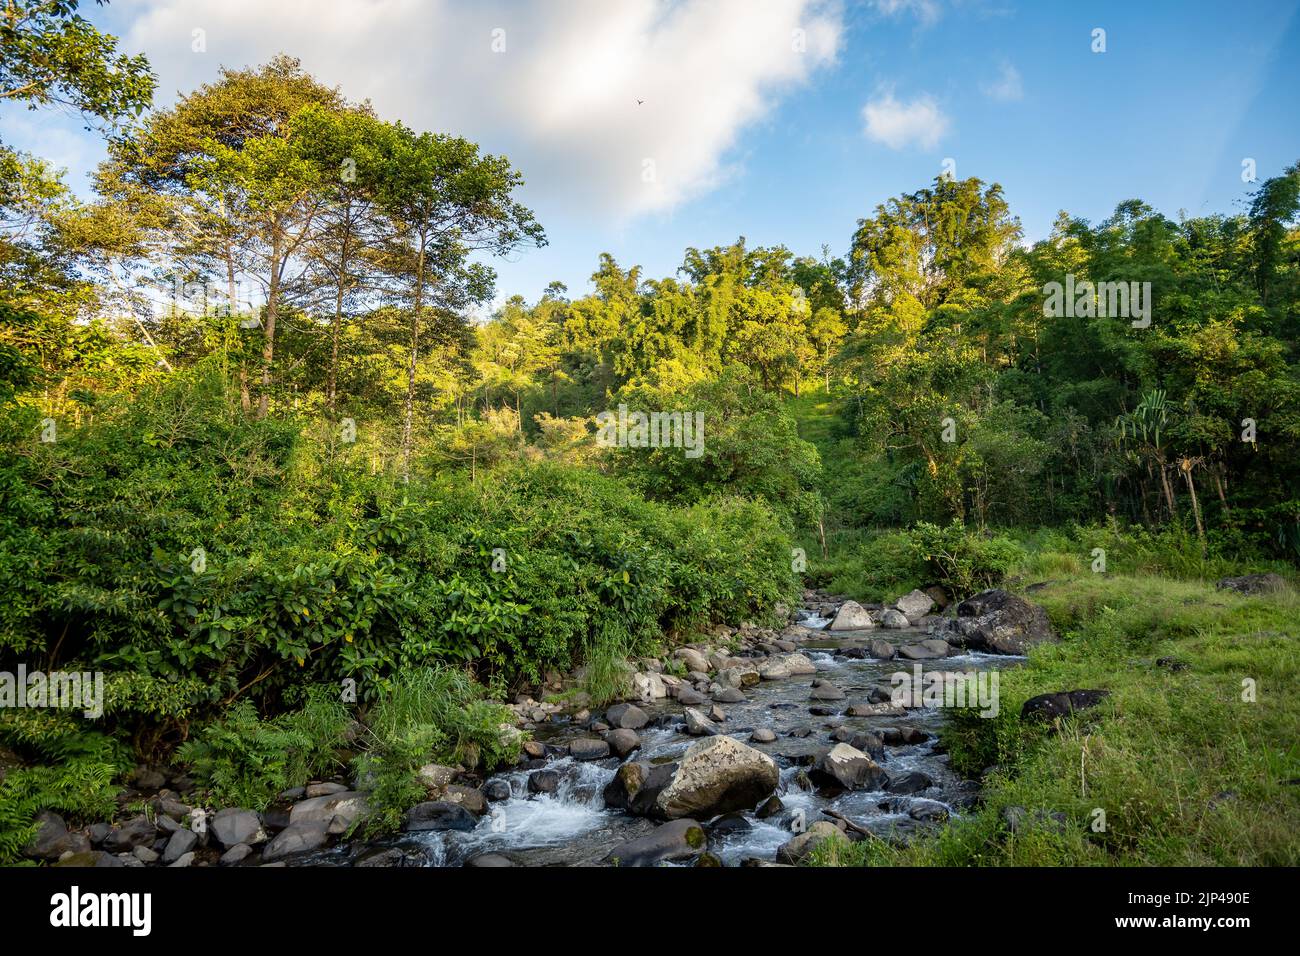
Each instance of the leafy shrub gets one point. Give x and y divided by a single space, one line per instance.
243 760
962 560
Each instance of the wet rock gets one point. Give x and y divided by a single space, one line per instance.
678 840
690 698
589 748
913 781
894 620
769 807
636 786
912 735
138 831
915 605
729 695
801 845
869 744
535 749
729 823
1061 704
626 717
851 616
623 742
783 666
497 789
763 735
928 811
470 798
236 854
436 815
925 650
297 838
843 767
825 690
698 723
543 781
490 860
882 650
714 776
231 827
181 843
996 622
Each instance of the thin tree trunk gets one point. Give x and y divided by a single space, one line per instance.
409 417
268 346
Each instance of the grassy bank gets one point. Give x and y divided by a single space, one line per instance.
1186 771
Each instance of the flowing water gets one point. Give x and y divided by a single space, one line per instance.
573 827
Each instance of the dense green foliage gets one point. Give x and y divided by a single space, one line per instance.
255 450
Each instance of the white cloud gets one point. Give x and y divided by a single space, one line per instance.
897 124
560 100
1007 87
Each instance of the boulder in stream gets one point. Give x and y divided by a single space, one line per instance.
851 616
678 840
997 622
715 776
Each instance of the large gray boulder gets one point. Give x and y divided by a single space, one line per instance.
851 616
716 775
997 622
915 605
844 767
341 809
53 839
232 826
296 838
678 840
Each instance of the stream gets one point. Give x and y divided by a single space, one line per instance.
572 826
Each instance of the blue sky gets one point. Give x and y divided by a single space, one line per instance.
752 140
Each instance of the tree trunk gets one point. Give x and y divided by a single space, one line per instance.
409 417
268 346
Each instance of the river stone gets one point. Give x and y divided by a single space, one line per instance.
497 789
928 811
729 695
689 698
915 605
636 785
914 781
846 768
324 789
825 690
436 815
851 616
800 846
763 735
881 649
623 741
1061 704
490 860
181 842
236 854
698 724
869 744
677 840
648 686
786 665
894 619
588 748
716 776
543 781
626 717
434 776
693 659
138 831
347 805
231 827
769 807
925 650
145 854
470 798
53 839
996 622
184 860
297 838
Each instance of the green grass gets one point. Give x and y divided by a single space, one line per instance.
1156 757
